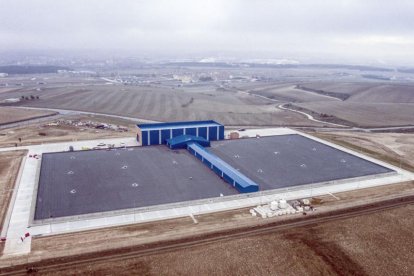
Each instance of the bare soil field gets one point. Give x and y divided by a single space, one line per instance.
10 114
325 249
364 101
288 93
42 133
9 167
360 100
394 148
369 92
369 104
365 114
169 105
158 103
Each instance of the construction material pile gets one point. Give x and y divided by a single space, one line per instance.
282 207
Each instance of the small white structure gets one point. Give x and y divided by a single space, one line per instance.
11 100
273 205
274 208
282 204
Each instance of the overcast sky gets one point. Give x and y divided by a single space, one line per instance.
355 30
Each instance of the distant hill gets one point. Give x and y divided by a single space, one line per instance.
31 69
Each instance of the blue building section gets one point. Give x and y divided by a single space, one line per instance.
180 142
212 133
191 131
177 132
156 134
224 170
154 137
165 134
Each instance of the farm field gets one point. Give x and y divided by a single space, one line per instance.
369 92
366 114
235 98
361 106
368 105
288 93
10 114
167 104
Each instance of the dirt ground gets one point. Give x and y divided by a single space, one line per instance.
395 148
113 237
365 114
10 114
41 133
362 104
166 103
382 244
9 167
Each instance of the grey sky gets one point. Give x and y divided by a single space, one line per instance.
365 30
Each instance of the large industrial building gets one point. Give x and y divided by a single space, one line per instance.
186 161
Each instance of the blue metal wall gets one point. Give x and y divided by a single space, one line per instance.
221 132
177 132
165 134
191 131
144 138
202 132
211 133
154 137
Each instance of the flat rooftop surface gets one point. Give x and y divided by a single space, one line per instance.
83 182
289 160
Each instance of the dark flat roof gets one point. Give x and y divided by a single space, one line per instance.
75 183
290 160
